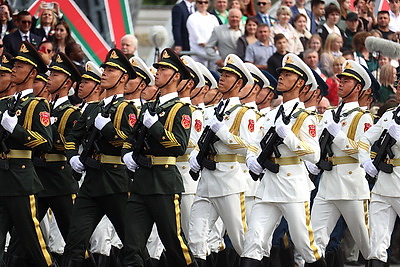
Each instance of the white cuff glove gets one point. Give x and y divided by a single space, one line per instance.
393 130
100 121
216 125
281 128
194 165
76 164
312 168
53 120
333 128
370 168
129 162
9 122
254 166
149 120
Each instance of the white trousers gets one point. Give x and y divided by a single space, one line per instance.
186 205
103 237
154 244
325 214
383 213
264 219
204 214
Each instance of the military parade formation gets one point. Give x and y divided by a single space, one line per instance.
177 165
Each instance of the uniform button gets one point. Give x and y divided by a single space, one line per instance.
115 136
298 147
163 138
347 146
58 141
62 167
29 138
166 166
230 141
183 167
23 167
350 172
232 167
289 174
115 166
245 171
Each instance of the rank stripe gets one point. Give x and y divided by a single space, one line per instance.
310 231
185 249
243 211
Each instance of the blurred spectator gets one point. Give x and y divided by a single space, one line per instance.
344 6
200 26
62 37
376 33
238 4
224 38
299 8
387 78
348 54
318 10
361 54
394 12
75 53
383 24
383 60
129 45
323 105
249 8
315 43
12 42
352 27
332 14
248 38
283 26
46 51
220 11
275 61
259 52
48 20
311 58
300 22
263 13
288 3
7 24
180 14
333 44
1 46
365 13
333 81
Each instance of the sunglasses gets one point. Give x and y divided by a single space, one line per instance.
263 3
1 45
26 21
202 2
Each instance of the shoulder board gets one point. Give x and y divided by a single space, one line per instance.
363 110
40 98
299 111
358 109
393 108
232 109
5 97
331 107
193 108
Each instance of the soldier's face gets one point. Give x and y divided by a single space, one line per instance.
110 77
286 80
56 79
38 86
226 81
85 87
20 71
132 85
163 74
5 79
149 92
346 84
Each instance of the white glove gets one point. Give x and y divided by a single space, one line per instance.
149 120
312 168
370 168
254 166
129 162
53 120
100 121
9 122
333 128
393 130
281 128
194 165
76 164
215 124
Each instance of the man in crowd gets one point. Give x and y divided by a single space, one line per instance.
220 11
383 24
129 45
180 14
263 13
259 52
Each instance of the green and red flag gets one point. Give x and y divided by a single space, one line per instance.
119 19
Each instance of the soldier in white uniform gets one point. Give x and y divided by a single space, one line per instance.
287 192
344 189
220 192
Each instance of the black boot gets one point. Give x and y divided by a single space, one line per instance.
248 262
274 260
101 260
319 263
211 259
330 258
15 261
266 262
201 262
286 256
376 263
339 262
222 259
68 262
116 257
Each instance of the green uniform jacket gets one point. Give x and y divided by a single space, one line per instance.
110 178
162 141
56 176
33 132
3 103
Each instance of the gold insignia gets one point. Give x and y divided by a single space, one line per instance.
24 99
162 114
165 54
58 59
89 67
153 70
114 55
23 49
348 65
4 59
184 61
18 112
229 60
134 63
289 60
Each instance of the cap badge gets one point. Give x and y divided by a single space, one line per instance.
134 63
23 49
4 59
229 61
165 55
114 55
348 65
58 59
289 60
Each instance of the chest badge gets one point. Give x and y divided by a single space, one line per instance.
162 114
18 112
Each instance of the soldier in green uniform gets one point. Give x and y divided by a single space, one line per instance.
29 130
7 88
39 86
105 188
157 184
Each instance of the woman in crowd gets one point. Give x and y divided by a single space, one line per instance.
333 81
283 26
361 54
333 44
6 23
248 38
238 4
62 37
387 78
332 15
300 24
249 8
200 25
315 43
48 20
365 12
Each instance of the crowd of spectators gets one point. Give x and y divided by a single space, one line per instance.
324 35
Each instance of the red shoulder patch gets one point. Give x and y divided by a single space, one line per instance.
198 125
367 126
312 130
132 119
186 121
251 126
44 118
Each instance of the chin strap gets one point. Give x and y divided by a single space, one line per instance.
184 86
41 90
193 97
170 78
66 79
137 87
354 87
8 87
250 91
120 77
29 73
91 91
265 97
291 88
